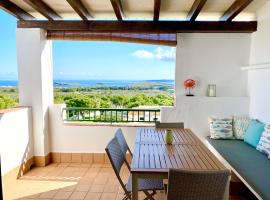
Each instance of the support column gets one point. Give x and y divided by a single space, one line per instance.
34 57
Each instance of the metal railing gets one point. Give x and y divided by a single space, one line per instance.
111 115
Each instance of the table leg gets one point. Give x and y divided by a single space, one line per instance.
227 191
134 187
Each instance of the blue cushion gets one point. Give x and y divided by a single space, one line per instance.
253 133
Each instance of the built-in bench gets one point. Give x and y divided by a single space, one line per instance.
251 166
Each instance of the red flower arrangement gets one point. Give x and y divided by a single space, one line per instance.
189 84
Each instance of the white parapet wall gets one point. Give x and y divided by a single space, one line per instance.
82 138
16 142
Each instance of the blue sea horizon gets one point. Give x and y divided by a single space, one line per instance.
91 83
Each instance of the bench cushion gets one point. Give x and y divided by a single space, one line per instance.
252 165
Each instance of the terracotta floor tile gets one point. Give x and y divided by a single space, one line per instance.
62 195
73 181
113 182
42 199
69 188
48 194
78 195
108 196
120 196
100 180
63 164
34 196
92 196
83 188
96 165
111 188
97 188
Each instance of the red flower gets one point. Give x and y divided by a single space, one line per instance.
189 84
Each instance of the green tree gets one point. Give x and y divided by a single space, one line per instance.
7 102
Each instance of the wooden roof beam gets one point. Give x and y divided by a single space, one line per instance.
15 10
118 9
142 26
237 7
157 6
80 9
195 9
44 9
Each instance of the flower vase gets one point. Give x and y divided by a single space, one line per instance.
169 136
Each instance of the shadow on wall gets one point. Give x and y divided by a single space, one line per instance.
16 142
26 164
27 160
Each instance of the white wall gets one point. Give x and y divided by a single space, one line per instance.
16 143
82 139
195 111
34 54
260 42
259 89
212 58
259 80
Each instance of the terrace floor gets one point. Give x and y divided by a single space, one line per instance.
70 181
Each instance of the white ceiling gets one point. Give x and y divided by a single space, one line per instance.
143 9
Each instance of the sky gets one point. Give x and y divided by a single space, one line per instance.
77 60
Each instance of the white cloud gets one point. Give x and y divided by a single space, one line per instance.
159 54
143 54
167 55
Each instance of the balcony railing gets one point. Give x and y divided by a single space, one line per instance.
111 115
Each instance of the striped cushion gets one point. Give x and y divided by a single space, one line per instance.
264 143
240 125
221 128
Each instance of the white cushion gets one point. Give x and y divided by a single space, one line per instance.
240 125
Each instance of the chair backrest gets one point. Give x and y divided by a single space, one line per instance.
193 185
170 125
122 141
117 158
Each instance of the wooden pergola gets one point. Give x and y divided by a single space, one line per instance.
90 20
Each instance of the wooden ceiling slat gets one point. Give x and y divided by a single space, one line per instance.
142 26
157 9
195 9
237 7
44 9
118 9
80 9
15 10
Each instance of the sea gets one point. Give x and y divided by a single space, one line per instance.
92 83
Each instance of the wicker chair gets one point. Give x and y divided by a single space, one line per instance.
170 125
197 185
117 160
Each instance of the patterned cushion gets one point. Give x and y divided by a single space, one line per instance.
264 143
240 125
221 128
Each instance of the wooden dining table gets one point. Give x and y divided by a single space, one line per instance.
152 157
